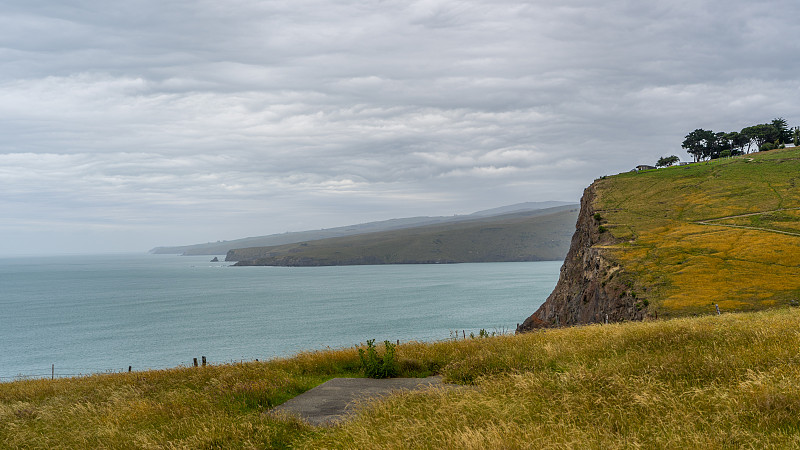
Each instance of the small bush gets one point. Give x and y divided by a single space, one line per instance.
375 366
598 217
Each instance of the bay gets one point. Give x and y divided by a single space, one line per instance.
90 314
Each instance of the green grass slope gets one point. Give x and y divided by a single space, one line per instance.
714 382
525 236
725 232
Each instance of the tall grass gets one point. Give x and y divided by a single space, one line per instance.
713 382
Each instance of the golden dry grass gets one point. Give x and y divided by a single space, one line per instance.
714 382
725 381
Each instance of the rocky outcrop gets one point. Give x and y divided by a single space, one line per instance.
592 287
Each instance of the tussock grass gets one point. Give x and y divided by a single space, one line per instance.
710 382
217 406
713 382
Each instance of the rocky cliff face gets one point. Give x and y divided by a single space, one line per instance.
592 287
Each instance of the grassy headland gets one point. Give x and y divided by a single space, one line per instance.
712 382
538 235
725 232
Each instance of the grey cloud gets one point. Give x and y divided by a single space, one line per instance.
282 114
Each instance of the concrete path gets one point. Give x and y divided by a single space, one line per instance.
334 400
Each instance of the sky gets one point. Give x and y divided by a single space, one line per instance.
130 125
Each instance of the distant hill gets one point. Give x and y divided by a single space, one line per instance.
519 207
533 235
222 247
678 241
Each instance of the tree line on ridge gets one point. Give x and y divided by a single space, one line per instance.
706 144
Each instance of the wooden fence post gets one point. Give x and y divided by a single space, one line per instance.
195 362
204 361
53 372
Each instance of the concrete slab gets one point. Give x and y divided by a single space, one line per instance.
333 400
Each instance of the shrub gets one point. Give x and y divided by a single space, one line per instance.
375 366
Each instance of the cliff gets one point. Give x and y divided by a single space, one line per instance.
682 241
592 287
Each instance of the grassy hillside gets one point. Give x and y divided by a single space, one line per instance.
725 381
222 247
526 236
726 232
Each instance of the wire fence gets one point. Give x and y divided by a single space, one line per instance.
61 372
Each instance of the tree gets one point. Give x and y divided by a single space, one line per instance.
702 144
761 134
698 143
718 145
781 129
666 161
738 142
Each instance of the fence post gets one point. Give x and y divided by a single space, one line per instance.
53 372
129 369
195 362
204 361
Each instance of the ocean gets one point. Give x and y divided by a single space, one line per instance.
94 314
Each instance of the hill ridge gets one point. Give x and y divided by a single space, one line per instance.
523 236
222 247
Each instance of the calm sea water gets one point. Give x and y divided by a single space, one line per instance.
88 314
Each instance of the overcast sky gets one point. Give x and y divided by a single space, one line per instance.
127 125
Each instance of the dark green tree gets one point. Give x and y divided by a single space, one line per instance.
761 134
666 161
782 130
796 136
738 142
719 144
699 143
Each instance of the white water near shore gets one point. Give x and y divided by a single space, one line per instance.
88 314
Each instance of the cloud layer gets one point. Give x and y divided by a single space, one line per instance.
127 125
